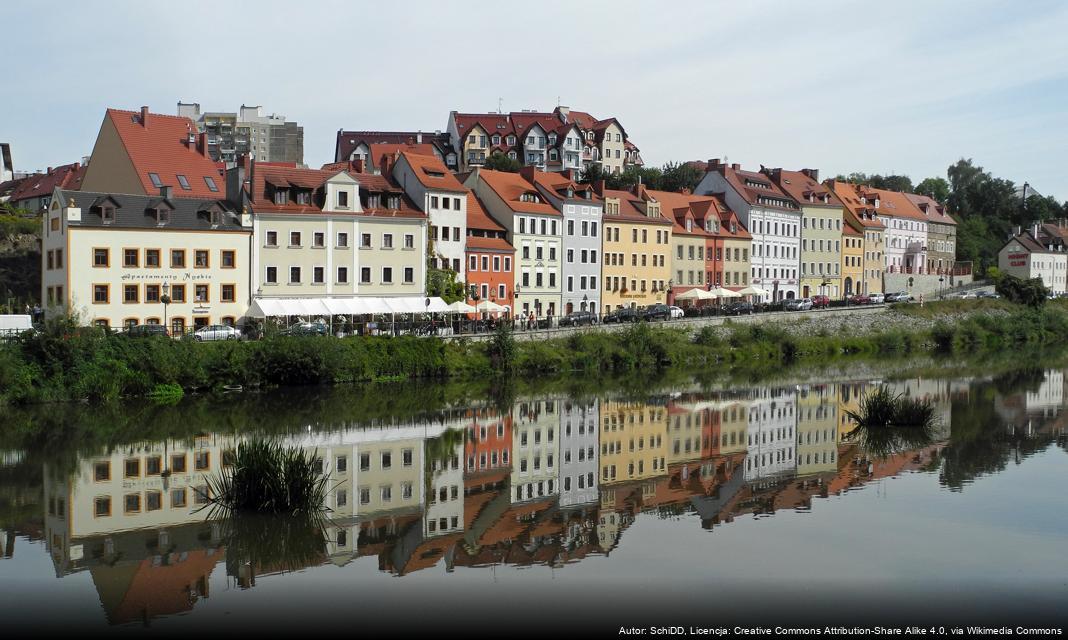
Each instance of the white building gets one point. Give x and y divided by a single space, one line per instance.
433 188
1034 254
578 452
772 217
111 259
770 438
535 448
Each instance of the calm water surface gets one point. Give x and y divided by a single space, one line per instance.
552 514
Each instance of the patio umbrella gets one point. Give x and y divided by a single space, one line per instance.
696 294
720 292
754 291
460 307
490 306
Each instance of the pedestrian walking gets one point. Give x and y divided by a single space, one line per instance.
921 300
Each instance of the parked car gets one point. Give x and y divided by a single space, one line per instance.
820 302
969 295
147 331
306 329
656 312
627 314
991 295
899 296
216 332
578 319
797 304
738 308
877 298
860 298
677 312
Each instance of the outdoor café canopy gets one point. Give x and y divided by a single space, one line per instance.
460 307
696 294
754 291
282 307
721 292
490 306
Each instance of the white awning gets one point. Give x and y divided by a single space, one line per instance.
311 307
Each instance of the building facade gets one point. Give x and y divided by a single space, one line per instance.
771 217
1033 254
862 216
821 231
635 249
582 214
941 235
430 185
112 259
230 135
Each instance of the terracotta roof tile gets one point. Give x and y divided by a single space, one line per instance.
510 187
432 172
380 153
801 187
489 244
68 176
162 146
935 212
477 218
314 179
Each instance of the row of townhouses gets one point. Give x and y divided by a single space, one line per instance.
154 215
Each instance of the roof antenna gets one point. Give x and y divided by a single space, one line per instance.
500 103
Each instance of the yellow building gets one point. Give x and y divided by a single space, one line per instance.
821 231
852 259
864 218
634 445
817 429
635 248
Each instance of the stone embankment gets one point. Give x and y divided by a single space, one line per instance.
848 321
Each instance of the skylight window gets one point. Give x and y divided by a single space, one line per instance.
211 183
184 182
154 177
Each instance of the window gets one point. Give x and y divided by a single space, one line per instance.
131 293
318 275
387 275
342 240
294 275
184 182
227 293
272 275
228 259
201 259
294 238
343 199
131 503
131 257
272 239
151 293
154 177
409 275
177 293
387 459
208 180
409 241
342 275
365 275
151 258
200 293
101 257
365 240
202 460
319 239
107 215
178 498
387 240
102 507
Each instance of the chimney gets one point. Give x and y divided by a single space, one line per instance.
165 191
49 172
1034 230
599 187
814 174
419 137
358 165
144 117
202 144
1016 230
713 163
528 173
736 167
685 191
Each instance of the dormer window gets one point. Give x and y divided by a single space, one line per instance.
552 138
281 196
163 216
208 180
303 197
496 138
374 201
529 197
216 218
107 214
689 224
511 141
393 202
343 199
570 192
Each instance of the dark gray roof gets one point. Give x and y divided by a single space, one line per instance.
138 212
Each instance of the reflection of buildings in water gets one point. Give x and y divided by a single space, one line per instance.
1036 409
770 434
488 445
849 395
938 392
578 452
691 430
817 429
535 447
733 427
633 443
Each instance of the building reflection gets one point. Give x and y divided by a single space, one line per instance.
547 481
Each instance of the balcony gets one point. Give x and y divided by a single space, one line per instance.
915 247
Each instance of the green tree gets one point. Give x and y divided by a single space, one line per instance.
937 188
1030 292
442 283
676 176
500 162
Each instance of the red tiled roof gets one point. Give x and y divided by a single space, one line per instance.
378 153
161 146
800 187
68 177
849 195
313 179
491 122
489 244
477 218
738 178
557 184
628 209
935 212
347 141
510 186
677 207
894 203
524 120
432 173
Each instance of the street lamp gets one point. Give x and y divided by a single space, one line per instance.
941 279
166 300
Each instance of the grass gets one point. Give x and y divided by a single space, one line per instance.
269 478
888 424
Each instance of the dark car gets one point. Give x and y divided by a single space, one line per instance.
820 302
147 331
305 329
738 309
656 312
860 298
578 319
627 314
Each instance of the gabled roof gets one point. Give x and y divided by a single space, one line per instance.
801 187
858 212
160 144
931 208
1031 243
380 153
510 187
629 210
499 245
676 206
490 122
133 212
68 176
314 179
347 141
893 203
477 218
432 173
558 184
522 121
751 185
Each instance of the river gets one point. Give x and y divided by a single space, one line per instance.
530 513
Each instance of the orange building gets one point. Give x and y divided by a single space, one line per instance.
490 258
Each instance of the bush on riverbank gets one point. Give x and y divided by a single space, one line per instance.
67 362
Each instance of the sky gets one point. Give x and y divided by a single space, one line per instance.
891 87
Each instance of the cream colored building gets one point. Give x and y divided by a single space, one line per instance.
635 251
110 258
634 442
535 448
817 429
821 231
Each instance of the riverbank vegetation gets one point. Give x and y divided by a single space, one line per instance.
65 362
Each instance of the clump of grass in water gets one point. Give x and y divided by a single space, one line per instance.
888 424
169 393
270 478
